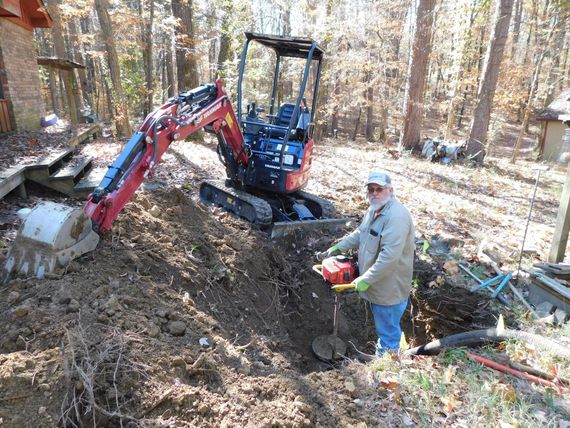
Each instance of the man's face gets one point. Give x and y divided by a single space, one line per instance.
378 195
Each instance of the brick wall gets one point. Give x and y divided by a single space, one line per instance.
20 77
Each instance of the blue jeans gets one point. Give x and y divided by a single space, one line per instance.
387 323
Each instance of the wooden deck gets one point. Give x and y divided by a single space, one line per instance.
60 170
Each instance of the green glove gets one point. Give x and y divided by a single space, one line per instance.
361 285
332 251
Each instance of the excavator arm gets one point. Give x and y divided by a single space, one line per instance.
191 111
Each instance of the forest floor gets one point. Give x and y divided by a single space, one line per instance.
186 316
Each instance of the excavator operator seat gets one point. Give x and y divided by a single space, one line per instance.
284 114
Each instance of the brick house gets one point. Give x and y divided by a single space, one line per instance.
21 106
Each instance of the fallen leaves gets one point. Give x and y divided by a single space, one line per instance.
451 267
438 282
449 402
389 383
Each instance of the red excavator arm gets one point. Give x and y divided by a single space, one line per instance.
205 106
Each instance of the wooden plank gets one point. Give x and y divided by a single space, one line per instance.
10 183
73 169
91 180
554 269
562 228
5 123
13 170
52 158
85 135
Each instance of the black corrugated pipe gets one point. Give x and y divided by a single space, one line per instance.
490 335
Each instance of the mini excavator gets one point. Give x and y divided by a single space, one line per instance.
267 160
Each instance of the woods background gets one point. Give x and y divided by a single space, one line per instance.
394 71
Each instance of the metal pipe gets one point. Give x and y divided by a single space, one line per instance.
240 78
539 170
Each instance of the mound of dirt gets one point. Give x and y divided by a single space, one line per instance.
187 316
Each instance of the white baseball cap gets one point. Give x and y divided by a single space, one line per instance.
380 178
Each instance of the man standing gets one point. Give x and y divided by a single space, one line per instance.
385 242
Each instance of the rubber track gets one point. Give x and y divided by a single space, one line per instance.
327 208
263 213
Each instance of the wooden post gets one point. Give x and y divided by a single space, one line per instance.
22 191
53 91
562 228
71 96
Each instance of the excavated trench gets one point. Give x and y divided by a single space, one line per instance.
431 313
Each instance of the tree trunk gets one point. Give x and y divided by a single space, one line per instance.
417 72
565 77
59 48
482 114
334 116
516 28
225 33
356 124
369 108
119 101
457 84
53 91
78 56
186 64
532 29
147 56
85 25
169 58
533 86
163 78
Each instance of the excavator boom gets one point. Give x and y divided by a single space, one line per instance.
191 111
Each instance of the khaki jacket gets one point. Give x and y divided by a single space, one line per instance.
385 253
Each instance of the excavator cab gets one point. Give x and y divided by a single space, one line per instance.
281 140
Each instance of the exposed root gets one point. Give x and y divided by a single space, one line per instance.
97 373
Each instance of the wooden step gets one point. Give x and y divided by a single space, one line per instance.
80 137
11 171
11 178
74 170
90 181
51 159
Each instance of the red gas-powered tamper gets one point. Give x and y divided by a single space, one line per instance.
335 270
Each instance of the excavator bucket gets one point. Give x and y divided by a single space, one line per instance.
51 236
284 228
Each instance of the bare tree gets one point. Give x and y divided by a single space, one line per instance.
119 101
488 84
417 74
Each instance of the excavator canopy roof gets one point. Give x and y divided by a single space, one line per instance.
298 47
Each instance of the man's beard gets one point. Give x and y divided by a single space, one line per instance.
377 204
